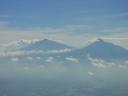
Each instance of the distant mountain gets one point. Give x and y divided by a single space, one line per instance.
103 50
98 50
46 45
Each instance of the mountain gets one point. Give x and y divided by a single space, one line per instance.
103 50
46 45
98 53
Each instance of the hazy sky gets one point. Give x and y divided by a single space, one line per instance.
73 21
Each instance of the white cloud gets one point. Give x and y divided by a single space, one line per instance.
123 66
98 65
18 53
91 73
16 44
12 53
50 60
101 64
15 59
124 14
58 51
72 59
38 58
30 58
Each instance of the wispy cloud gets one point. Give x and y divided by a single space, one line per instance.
3 22
71 34
116 30
6 16
33 16
123 14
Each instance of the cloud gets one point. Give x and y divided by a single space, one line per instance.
116 30
26 68
13 53
19 53
30 58
124 65
50 60
16 44
124 14
90 73
72 59
6 15
56 33
38 58
75 35
126 62
41 66
101 64
65 29
58 51
26 16
4 23
15 59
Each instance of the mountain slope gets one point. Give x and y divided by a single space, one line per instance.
103 49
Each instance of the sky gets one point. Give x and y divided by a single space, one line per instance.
74 22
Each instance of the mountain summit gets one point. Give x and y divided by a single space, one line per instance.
46 45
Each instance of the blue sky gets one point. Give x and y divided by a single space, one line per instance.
71 21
